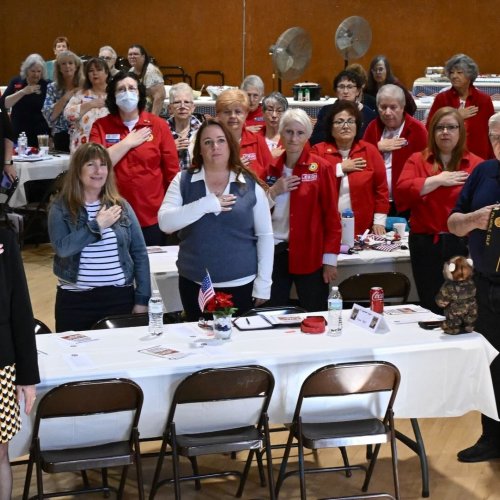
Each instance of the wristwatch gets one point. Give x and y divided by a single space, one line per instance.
9 162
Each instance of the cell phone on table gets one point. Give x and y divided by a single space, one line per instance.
6 182
430 325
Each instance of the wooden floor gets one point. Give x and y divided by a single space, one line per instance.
449 479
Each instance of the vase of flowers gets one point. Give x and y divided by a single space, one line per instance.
222 308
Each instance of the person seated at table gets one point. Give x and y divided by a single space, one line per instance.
109 54
474 106
68 79
142 150
254 87
306 223
273 106
366 99
360 170
61 44
347 85
149 75
18 355
397 136
25 94
232 107
100 259
380 74
89 103
183 124
429 186
219 206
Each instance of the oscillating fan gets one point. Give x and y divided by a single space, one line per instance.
353 38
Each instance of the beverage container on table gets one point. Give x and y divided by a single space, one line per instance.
377 299
43 144
155 311
307 94
22 143
335 312
348 227
300 95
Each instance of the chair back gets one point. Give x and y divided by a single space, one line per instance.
132 320
356 289
41 327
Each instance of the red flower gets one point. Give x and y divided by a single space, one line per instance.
222 303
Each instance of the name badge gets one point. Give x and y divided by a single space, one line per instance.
112 138
309 177
250 156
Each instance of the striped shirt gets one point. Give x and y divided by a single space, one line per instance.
99 261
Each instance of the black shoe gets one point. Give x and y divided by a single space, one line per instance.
483 450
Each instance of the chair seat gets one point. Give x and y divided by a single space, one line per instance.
335 434
226 441
91 457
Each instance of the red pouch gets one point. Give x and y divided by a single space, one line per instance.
313 324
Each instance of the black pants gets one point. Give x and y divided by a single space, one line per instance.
488 324
80 310
154 236
427 260
189 290
61 141
311 290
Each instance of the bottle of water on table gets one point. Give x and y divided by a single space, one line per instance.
335 312
22 144
155 311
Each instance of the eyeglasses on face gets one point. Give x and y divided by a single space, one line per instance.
180 104
130 88
343 123
271 111
346 87
494 137
449 128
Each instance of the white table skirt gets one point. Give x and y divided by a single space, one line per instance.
33 171
441 375
165 277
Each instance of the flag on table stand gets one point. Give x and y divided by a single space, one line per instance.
206 292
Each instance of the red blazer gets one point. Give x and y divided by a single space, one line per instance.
475 127
254 147
367 188
429 213
314 218
416 135
145 172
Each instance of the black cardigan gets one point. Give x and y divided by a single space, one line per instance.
17 329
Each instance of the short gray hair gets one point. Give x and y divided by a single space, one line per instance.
178 88
463 62
392 91
253 81
30 61
296 115
494 120
109 49
275 98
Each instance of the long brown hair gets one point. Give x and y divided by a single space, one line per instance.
458 150
72 192
58 76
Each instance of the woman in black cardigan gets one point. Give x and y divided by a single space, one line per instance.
18 356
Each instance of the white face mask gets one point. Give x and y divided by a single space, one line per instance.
127 101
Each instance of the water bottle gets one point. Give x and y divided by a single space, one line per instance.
335 312
22 144
348 227
155 311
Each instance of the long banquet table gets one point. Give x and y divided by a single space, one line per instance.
441 375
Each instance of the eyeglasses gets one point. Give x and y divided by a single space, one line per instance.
494 137
121 90
449 128
346 87
106 58
180 104
271 111
378 70
343 123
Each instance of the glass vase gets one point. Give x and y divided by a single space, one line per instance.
223 326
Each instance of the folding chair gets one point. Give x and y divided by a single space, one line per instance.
131 320
218 386
375 496
373 422
83 399
41 327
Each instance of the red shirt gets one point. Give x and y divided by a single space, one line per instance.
144 173
429 213
368 188
314 218
476 127
254 147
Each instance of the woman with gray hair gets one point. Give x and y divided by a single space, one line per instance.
474 106
109 54
273 105
254 87
306 229
25 94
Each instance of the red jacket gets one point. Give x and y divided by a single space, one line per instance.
145 172
475 127
255 117
314 218
367 188
429 213
254 147
416 135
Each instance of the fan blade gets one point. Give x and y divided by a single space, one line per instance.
353 37
292 53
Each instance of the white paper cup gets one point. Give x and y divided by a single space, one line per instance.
399 228
44 151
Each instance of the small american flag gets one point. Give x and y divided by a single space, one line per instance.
206 292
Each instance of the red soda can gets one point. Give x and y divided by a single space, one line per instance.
377 299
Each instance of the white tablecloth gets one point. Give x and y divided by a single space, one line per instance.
429 87
441 375
165 278
33 171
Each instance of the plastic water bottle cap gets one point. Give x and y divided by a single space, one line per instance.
347 213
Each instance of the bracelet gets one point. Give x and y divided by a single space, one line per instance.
9 162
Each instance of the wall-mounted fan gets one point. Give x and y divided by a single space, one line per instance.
353 38
291 54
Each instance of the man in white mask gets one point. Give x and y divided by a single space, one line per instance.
142 150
